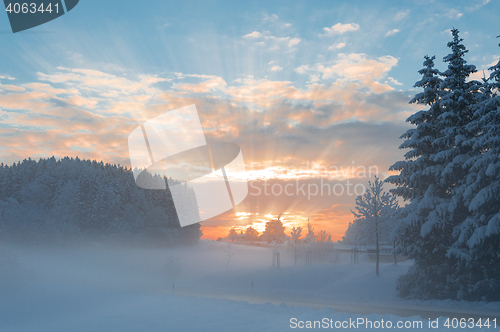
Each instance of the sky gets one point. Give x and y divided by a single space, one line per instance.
315 93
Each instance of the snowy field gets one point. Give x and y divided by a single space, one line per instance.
101 288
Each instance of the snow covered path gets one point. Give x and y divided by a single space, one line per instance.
351 307
54 308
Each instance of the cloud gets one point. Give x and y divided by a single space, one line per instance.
274 41
276 68
74 118
453 14
254 34
392 32
401 15
340 28
99 82
11 87
216 83
394 81
272 17
303 69
263 93
355 68
337 46
7 77
479 4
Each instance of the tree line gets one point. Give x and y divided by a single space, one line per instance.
72 200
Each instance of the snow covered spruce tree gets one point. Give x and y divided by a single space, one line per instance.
434 175
477 245
374 208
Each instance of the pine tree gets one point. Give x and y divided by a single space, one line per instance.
477 245
432 174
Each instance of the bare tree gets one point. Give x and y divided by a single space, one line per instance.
310 237
323 243
294 241
229 253
375 207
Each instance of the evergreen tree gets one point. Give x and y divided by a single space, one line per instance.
232 235
274 232
251 234
477 245
433 174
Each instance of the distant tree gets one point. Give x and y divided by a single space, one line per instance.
354 232
294 241
323 236
323 243
310 237
251 234
275 231
375 207
232 235
229 251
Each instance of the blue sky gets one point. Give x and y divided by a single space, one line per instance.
205 37
319 82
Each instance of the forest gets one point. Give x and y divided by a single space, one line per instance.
71 200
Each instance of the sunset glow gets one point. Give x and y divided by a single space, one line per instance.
316 108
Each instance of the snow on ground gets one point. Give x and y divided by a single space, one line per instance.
103 288
63 308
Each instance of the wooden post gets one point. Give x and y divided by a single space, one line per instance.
394 251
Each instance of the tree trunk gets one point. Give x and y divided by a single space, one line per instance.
376 236
295 253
